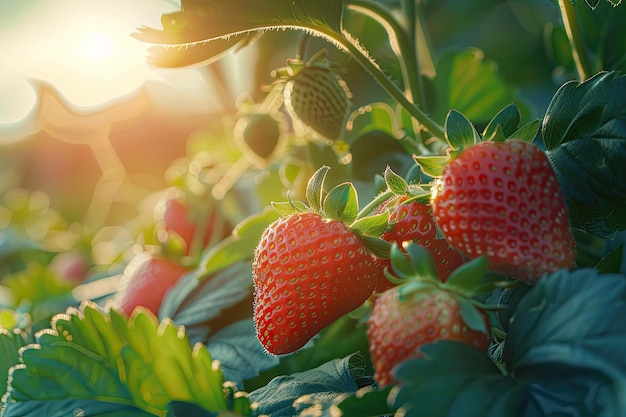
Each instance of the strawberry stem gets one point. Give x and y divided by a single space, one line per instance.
372 205
400 41
576 41
351 46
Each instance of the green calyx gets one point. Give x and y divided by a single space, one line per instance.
341 203
413 267
460 134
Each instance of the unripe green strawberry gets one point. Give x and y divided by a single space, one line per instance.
317 96
503 199
308 271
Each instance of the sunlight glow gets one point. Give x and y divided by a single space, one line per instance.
97 46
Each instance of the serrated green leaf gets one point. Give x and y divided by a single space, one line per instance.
341 203
449 371
315 188
585 134
71 407
238 247
205 305
544 342
395 183
328 381
508 119
592 175
460 132
143 363
592 109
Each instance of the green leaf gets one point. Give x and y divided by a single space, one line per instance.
507 119
71 408
315 188
366 402
240 246
342 203
287 208
585 133
166 56
327 381
593 109
200 21
396 183
558 330
467 82
207 304
432 165
527 132
611 262
377 246
93 356
466 278
421 260
471 316
460 132
373 226
455 379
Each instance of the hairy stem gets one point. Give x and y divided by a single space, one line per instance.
374 70
576 41
400 42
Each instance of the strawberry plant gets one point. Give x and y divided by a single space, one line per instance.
427 218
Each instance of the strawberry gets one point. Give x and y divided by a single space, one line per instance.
311 267
145 282
316 95
414 221
424 310
503 199
180 222
308 272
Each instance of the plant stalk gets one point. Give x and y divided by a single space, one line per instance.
400 42
576 41
360 56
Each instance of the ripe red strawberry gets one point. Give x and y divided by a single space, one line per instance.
503 199
145 282
178 220
424 310
403 321
308 271
414 221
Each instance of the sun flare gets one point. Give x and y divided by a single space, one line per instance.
96 46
